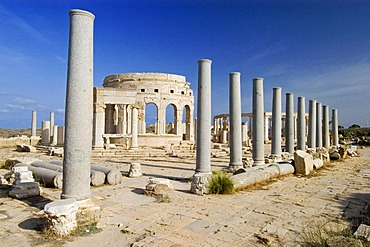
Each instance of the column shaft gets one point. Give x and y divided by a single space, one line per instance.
289 123
258 120
318 125
45 133
34 124
311 142
325 127
276 122
235 122
334 127
79 99
301 124
134 128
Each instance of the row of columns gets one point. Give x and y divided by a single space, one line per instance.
50 133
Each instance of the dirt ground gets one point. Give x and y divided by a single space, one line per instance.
272 214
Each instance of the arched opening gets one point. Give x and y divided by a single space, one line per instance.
151 118
171 119
186 122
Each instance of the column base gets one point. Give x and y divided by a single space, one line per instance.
88 213
199 183
235 167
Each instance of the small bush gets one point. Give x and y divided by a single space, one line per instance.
220 183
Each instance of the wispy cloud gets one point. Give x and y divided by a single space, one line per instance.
60 110
17 22
23 104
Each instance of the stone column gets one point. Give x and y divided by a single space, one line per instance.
203 126
318 125
60 140
235 122
266 129
98 125
311 139
51 124
109 121
55 135
45 133
34 124
325 127
301 124
258 119
244 134
79 99
134 128
276 122
334 127
289 123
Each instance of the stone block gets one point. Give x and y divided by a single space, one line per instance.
199 183
61 216
363 231
23 177
135 170
24 190
3 180
20 167
153 182
303 162
318 163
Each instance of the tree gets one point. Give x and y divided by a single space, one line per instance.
354 126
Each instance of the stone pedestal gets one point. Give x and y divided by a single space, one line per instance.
78 132
135 170
258 122
61 216
200 182
24 190
235 123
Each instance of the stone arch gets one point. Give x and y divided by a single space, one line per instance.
173 128
151 118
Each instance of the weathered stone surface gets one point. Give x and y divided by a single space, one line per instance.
23 177
135 170
25 148
199 184
153 182
53 151
363 231
61 216
341 241
318 163
335 156
24 190
352 151
13 161
343 151
3 181
303 162
112 176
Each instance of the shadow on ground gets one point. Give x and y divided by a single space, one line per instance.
356 208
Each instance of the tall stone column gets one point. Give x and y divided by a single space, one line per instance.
311 139
258 120
55 136
60 140
34 124
318 125
202 174
266 129
235 122
45 133
51 124
289 123
98 125
79 99
134 128
276 122
301 124
244 134
109 120
325 127
334 127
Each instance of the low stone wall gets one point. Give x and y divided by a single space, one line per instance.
148 140
14 141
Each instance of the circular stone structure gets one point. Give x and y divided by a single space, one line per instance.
123 92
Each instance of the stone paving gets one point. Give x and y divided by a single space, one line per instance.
268 215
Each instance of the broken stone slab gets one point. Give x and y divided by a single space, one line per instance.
61 216
23 177
352 151
318 163
25 148
135 170
363 231
24 190
303 162
155 181
53 151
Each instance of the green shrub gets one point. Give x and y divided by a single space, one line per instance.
220 183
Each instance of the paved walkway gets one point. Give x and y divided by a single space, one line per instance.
269 215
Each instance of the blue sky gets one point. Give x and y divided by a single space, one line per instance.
317 49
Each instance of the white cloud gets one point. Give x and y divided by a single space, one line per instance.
60 110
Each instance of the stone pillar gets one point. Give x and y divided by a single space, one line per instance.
134 128
311 139
98 125
55 135
258 119
266 129
276 122
60 140
244 134
109 121
129 118
45 133
235 122
301 124
325 127
334 127
78 133
203 126
51 124
318 125
289 123
250 127
34 124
